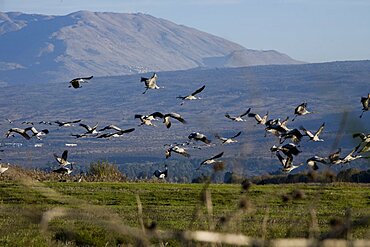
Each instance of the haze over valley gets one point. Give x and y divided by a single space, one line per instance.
332 91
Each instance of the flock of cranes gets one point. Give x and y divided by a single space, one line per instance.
285 152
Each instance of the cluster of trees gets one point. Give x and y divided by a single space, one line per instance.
106 171
351 175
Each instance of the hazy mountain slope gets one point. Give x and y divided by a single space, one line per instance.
332 91
56 48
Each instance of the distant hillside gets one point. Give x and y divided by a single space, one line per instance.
331 90
36 48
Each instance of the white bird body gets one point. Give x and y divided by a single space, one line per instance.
365 142
351 156
75 83
90 130
211 160
365 148
36 133
63 159
64 170
275 127
287 149
208 162
287 163
312 162
3 169
260 120
147 119
229 140
116 134
161 174
283 124
301 110
291 167
238 118
167 117
314 137
178 150
332 159
19 131
111 126
67 123
192 96
293 134
199 137
363 137
150 83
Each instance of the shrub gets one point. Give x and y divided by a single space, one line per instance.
201 179
104 171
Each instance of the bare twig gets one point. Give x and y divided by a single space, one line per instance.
348 224
208 202
264 226
314 226
50 215
140 213
340 131
197 210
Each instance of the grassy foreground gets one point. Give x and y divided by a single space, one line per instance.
113 214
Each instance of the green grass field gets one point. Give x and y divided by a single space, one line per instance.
109 214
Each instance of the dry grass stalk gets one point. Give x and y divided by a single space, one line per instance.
208 202
140 213
314 226
348 217
198 209
264 225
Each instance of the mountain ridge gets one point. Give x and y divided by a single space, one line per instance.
55 48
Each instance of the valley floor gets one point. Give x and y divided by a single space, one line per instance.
108 214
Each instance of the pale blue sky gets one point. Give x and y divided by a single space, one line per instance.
307 30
